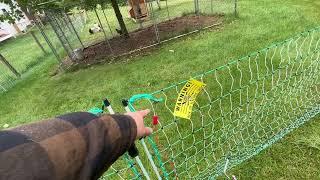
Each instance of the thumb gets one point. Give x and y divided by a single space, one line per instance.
148 131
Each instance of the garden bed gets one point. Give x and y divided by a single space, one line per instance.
145 37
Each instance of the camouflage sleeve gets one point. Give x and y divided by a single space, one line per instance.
72 146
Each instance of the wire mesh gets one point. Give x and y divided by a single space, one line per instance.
38 47
149 22
7 78
22 59
247 105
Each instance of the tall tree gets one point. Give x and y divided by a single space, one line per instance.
116 9
33 5
89 4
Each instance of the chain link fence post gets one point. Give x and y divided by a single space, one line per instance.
38 42
9 66
44 35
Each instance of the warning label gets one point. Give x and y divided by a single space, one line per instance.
187 98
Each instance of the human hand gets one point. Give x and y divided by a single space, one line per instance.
138 116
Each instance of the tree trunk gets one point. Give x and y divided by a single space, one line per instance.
27 12
119 17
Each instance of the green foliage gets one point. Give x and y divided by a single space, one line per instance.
53 5
13 13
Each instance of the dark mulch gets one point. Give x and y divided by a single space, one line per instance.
145 37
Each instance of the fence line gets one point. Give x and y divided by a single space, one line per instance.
66 33
41 43
152 25
247 105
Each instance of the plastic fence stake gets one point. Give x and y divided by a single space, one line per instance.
125 103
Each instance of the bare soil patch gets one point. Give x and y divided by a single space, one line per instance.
146 37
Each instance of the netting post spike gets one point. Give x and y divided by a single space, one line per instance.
131 109
107 104
133 151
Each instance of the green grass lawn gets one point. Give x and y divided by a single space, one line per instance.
260 23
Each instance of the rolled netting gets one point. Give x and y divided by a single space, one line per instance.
246 106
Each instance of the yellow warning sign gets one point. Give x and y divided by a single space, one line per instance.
187 98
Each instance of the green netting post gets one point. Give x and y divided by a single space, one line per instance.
158 155
98 111
129 108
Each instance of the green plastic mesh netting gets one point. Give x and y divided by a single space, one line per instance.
246 106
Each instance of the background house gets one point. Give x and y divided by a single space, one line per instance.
8 30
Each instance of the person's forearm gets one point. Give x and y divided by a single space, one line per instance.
72 146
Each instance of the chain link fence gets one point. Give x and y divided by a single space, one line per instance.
65 34
149 23
22 54
19 55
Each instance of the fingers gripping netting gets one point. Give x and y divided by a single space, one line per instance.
246 105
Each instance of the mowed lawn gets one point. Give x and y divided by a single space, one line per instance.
260 23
